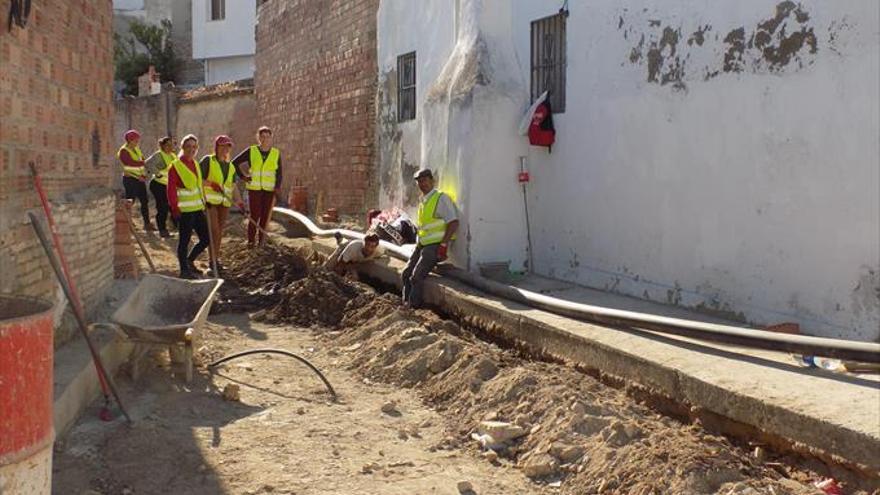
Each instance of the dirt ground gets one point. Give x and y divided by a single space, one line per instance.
423 406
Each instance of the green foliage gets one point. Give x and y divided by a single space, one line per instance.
146 45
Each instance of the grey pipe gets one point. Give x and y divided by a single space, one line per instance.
867 352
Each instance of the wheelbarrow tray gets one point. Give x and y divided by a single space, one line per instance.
161 309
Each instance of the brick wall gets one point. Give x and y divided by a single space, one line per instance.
316 84
209 114
206 112
57 111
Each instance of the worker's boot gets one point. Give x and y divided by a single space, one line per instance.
164 234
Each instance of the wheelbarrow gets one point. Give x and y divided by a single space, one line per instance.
165 311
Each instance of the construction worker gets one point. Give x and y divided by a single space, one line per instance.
158 166
134 176
220 192
437 222
346 257
263 181
187 206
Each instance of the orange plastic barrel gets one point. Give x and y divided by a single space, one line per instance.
25 395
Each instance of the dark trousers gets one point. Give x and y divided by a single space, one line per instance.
136 189
420 264
188 222
160 194
260 204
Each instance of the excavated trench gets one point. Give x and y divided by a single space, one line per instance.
578 429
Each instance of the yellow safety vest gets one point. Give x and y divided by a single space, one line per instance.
135 153
215 174
162 175
431 230
189 197
263 173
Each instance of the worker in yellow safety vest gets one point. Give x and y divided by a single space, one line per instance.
437 222
220 192
185 197
263 177
158 166
134 176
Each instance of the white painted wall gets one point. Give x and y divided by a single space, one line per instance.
224 69
229 37
755 193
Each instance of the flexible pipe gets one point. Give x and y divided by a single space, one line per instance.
867 352
283 353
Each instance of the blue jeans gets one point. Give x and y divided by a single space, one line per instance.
420 264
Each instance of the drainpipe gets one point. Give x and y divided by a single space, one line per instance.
524 179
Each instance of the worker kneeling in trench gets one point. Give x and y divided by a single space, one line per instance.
346 257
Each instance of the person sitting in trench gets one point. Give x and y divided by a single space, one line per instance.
346 258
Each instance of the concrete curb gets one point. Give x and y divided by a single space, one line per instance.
806 410
76 381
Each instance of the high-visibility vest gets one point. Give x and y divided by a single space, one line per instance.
189 197
215 174
136 155
431 230
162 174
263 173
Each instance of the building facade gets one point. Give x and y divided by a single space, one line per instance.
179 12
718 156
223 38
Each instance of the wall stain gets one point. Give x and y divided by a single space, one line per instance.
787 40
866 293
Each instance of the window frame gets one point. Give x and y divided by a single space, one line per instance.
221 7
406 89
552 63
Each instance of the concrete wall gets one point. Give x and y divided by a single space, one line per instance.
315 83
57 111
229 37
707 156
224 69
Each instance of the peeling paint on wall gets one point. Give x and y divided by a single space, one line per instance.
785 41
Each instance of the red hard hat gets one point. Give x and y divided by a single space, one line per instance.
222 139
132 134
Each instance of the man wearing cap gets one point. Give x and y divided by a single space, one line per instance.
134 176
158 165
437 222
263 181
185 198
220 192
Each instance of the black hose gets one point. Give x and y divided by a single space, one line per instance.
277 351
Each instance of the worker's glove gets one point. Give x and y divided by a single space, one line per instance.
441 252
246 178
214 186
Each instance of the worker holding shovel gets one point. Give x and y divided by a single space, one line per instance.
220 193
263 179
187 201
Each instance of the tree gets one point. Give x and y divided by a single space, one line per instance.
146 45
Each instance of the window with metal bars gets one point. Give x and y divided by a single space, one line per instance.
218 10
548 60
406 87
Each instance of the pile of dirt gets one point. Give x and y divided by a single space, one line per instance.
255 278
320 299
554 423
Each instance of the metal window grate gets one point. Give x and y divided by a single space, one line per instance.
548 60
406 87
218 10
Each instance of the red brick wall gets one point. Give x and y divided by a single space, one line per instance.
316 86
55 101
